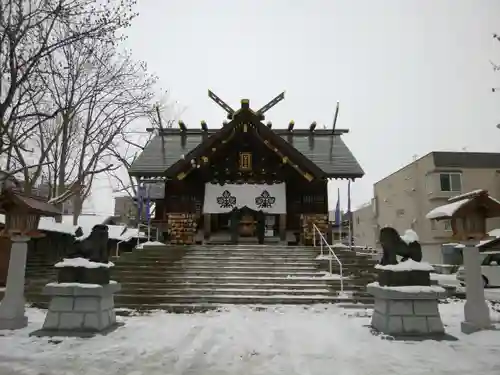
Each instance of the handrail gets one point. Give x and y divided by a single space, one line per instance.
117 254
148 227
322 239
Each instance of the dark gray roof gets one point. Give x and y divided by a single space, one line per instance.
486 160
327 151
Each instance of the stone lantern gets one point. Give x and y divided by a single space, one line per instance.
22 215
468 214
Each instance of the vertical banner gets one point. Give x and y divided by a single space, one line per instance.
140 201
148 204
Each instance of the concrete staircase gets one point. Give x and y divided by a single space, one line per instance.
199 278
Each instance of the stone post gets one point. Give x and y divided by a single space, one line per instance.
12 305
476 311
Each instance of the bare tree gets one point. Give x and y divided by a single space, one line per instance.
98 94
30 32
133 141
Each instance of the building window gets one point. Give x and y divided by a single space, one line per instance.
451 181
357 220
447 225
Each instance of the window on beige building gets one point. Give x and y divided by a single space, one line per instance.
451 181
433 225
447 225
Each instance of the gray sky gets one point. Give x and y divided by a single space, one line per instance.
412 76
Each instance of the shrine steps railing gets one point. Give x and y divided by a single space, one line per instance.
332 256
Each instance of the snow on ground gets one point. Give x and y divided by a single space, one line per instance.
82 262
407 265
279 340
149 243
444 279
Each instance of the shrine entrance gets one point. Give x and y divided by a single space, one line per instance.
244 213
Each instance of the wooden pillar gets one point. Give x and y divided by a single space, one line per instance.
207 218
282 227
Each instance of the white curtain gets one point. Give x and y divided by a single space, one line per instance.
268 198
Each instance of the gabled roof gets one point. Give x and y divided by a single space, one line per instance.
458 205
326 150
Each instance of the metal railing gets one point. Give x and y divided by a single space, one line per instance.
324 243
117 254
148 227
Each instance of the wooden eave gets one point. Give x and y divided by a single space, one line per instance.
276 144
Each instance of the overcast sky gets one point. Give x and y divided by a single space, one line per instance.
412 76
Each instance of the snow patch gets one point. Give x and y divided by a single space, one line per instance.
339 246
411 288
409 236
331 276
149 243
324 257
78 285
82 262
245 340
408 265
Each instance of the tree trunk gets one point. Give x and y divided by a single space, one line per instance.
61 173
77 206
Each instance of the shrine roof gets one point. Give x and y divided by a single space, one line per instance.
458 203
328 151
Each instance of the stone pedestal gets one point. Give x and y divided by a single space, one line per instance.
476 311
79 309
12 305
407 310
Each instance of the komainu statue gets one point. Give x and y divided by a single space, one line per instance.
94 247
393 244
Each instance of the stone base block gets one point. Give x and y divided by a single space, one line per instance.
406 311
468 328
13 323
399 278
84 275
78 309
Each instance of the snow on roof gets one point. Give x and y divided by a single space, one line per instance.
494 234
118 233
447 210
470 194
408 265
49 224
86 222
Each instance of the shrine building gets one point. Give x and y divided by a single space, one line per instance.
245 182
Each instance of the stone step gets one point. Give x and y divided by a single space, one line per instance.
193 291
275 259
210 261
128 278
215 268
215 271
270 252
233 299
207 284
188 308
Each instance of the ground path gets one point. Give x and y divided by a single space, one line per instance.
282 340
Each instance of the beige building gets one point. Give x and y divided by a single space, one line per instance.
364 226
125 209
402 199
